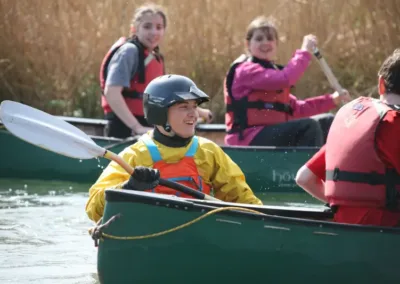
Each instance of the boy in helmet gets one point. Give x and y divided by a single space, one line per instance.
172 151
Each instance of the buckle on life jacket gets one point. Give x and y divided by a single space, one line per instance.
276 106
243 104
268 106
335 175
286 108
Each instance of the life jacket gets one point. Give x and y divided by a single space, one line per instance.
260 107
184 171
355 175
149 68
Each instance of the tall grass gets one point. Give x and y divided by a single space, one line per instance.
51 50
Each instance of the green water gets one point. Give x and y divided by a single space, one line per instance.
43 231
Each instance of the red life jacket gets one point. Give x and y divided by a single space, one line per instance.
259 108
148 69
355 175
184 171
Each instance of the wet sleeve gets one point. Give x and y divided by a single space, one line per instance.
229 181
123 65
112 177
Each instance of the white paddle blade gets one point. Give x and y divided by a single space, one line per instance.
46 131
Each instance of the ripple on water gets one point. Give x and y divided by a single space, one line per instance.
43 234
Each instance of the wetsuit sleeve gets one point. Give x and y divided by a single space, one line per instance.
123 65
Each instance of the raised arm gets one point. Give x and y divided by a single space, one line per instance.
254 76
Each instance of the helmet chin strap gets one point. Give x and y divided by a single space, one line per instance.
168 129
166 136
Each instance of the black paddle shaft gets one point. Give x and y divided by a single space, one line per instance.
182 188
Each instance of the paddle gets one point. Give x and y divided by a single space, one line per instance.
327 71
54 134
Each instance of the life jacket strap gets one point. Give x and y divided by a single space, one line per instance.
390 179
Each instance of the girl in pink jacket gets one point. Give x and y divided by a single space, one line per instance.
261 111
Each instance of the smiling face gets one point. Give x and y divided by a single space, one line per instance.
263 44
150 30
182 117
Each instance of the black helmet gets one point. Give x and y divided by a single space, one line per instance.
164 91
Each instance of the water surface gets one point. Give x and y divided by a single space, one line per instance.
43 231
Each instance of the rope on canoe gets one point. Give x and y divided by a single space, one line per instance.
99 234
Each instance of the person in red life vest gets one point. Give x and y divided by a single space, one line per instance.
357 172
173 151
260 110
126 70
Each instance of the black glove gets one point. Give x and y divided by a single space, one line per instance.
143 178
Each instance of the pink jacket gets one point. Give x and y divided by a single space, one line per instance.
249 76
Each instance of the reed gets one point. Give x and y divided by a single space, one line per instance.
52 49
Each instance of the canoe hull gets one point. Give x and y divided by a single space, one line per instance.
22 160
271 169
267 169
233 247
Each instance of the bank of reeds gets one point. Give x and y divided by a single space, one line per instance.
51 50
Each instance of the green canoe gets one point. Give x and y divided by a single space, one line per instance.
281 245
267 169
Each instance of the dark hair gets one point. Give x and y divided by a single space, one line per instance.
390 72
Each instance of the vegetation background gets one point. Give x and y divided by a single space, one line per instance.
51 50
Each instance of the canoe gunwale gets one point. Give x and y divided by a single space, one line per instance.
271 148
207 127
104 138
270 214
202 129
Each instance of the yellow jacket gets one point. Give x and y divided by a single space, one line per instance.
214 166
